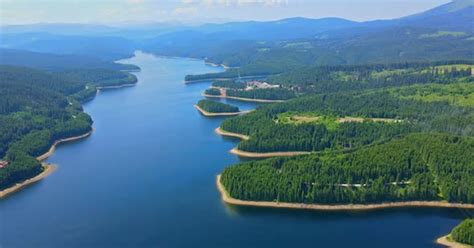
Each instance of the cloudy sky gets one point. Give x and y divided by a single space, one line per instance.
121 11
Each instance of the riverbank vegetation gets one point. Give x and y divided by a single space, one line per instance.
213 92
38 107
464 232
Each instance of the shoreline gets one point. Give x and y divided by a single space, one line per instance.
209 114
244 99
245 154
48 169
447 242
65 140
343 207
229 134
203 80
226 78
99 88
218 65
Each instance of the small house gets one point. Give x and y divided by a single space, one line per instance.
3 164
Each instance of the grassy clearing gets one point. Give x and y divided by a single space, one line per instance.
331 122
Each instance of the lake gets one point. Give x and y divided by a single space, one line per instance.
146 178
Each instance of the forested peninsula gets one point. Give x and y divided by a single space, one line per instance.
462 236
418 167
402 143
41 108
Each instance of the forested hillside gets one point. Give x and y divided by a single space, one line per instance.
39 107
348 78
343 78
464 232
342 128
441 34
416 167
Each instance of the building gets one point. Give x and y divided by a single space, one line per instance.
3 164
260 85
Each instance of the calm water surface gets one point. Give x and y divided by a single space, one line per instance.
146 178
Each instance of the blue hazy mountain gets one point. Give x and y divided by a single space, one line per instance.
102 47
444 32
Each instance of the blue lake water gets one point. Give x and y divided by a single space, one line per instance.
146 178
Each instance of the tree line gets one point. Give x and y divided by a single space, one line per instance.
217 107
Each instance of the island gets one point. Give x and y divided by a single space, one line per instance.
212 108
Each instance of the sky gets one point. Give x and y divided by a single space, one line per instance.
189 11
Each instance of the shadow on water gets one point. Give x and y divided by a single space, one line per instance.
302 214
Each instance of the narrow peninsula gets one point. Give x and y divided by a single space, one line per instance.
364 178
334 207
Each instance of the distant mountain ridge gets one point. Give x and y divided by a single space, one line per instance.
444 32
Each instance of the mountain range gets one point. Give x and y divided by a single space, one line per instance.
443 33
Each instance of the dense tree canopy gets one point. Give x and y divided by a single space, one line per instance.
38 107
417 167
217 107
464 232
268 135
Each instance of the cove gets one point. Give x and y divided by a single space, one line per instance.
146 178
